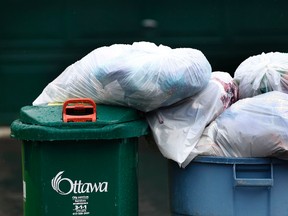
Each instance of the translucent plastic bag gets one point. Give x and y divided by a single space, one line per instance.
176 129
252 127
262 73
77 80
142 75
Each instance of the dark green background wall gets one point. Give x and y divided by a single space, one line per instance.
39 39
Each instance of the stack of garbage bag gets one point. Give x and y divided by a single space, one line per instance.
191 111
142 75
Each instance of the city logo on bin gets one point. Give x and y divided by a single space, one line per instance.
76 186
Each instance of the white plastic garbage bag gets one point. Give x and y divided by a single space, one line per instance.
176 129
77 80
251 127
142 75
262 73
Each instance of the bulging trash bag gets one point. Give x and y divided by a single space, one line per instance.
176 129
142 75
78 80
262 73
251 127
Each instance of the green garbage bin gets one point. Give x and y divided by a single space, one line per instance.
79 168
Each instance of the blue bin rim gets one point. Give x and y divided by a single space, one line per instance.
230 160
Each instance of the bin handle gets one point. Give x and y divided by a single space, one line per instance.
253 182
82 110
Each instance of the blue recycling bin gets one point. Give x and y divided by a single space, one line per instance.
221 186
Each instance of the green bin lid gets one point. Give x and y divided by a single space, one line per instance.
42 123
